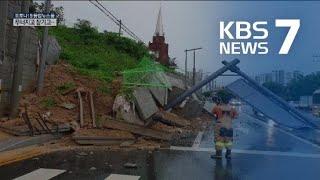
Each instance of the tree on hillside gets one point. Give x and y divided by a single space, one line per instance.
88 33
40 7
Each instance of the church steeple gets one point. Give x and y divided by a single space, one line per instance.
159 26
158 45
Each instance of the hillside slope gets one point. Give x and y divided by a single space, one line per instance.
97 54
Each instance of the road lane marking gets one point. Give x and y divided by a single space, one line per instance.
41 174
242 151
122 177
197 140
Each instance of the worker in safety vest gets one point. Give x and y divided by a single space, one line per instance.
223 131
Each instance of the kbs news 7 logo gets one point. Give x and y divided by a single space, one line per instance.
251 38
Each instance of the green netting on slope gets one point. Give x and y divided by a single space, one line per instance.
147 74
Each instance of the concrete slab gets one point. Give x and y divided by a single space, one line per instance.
130 117
126 111
175 82
145 103
160 95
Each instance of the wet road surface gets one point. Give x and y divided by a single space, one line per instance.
169 164
261 151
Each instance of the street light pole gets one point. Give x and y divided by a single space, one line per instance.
185 70
194 66
194 69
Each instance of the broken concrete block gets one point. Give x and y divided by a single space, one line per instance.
126 111
130 117
160 95
145 103
174 93
74 125
193 108
120 102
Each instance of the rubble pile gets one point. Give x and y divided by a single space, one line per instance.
98 114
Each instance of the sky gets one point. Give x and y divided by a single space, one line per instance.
191 24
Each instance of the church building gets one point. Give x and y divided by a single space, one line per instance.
158 45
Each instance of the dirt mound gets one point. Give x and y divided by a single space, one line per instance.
59 101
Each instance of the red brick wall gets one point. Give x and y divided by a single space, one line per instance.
158 45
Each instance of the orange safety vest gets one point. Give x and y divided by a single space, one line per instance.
225 114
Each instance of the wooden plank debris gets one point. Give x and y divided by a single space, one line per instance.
98 142
171 119
102 137
42 123
135 129
93 115
80 108
25 131
27 120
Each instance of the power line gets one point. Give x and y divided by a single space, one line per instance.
113 18
126 29
116 20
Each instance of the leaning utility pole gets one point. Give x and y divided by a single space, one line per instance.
18 65
200 84
44 51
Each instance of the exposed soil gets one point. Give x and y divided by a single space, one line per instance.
59 103
61 82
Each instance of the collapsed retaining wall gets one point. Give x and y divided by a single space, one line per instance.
30 63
